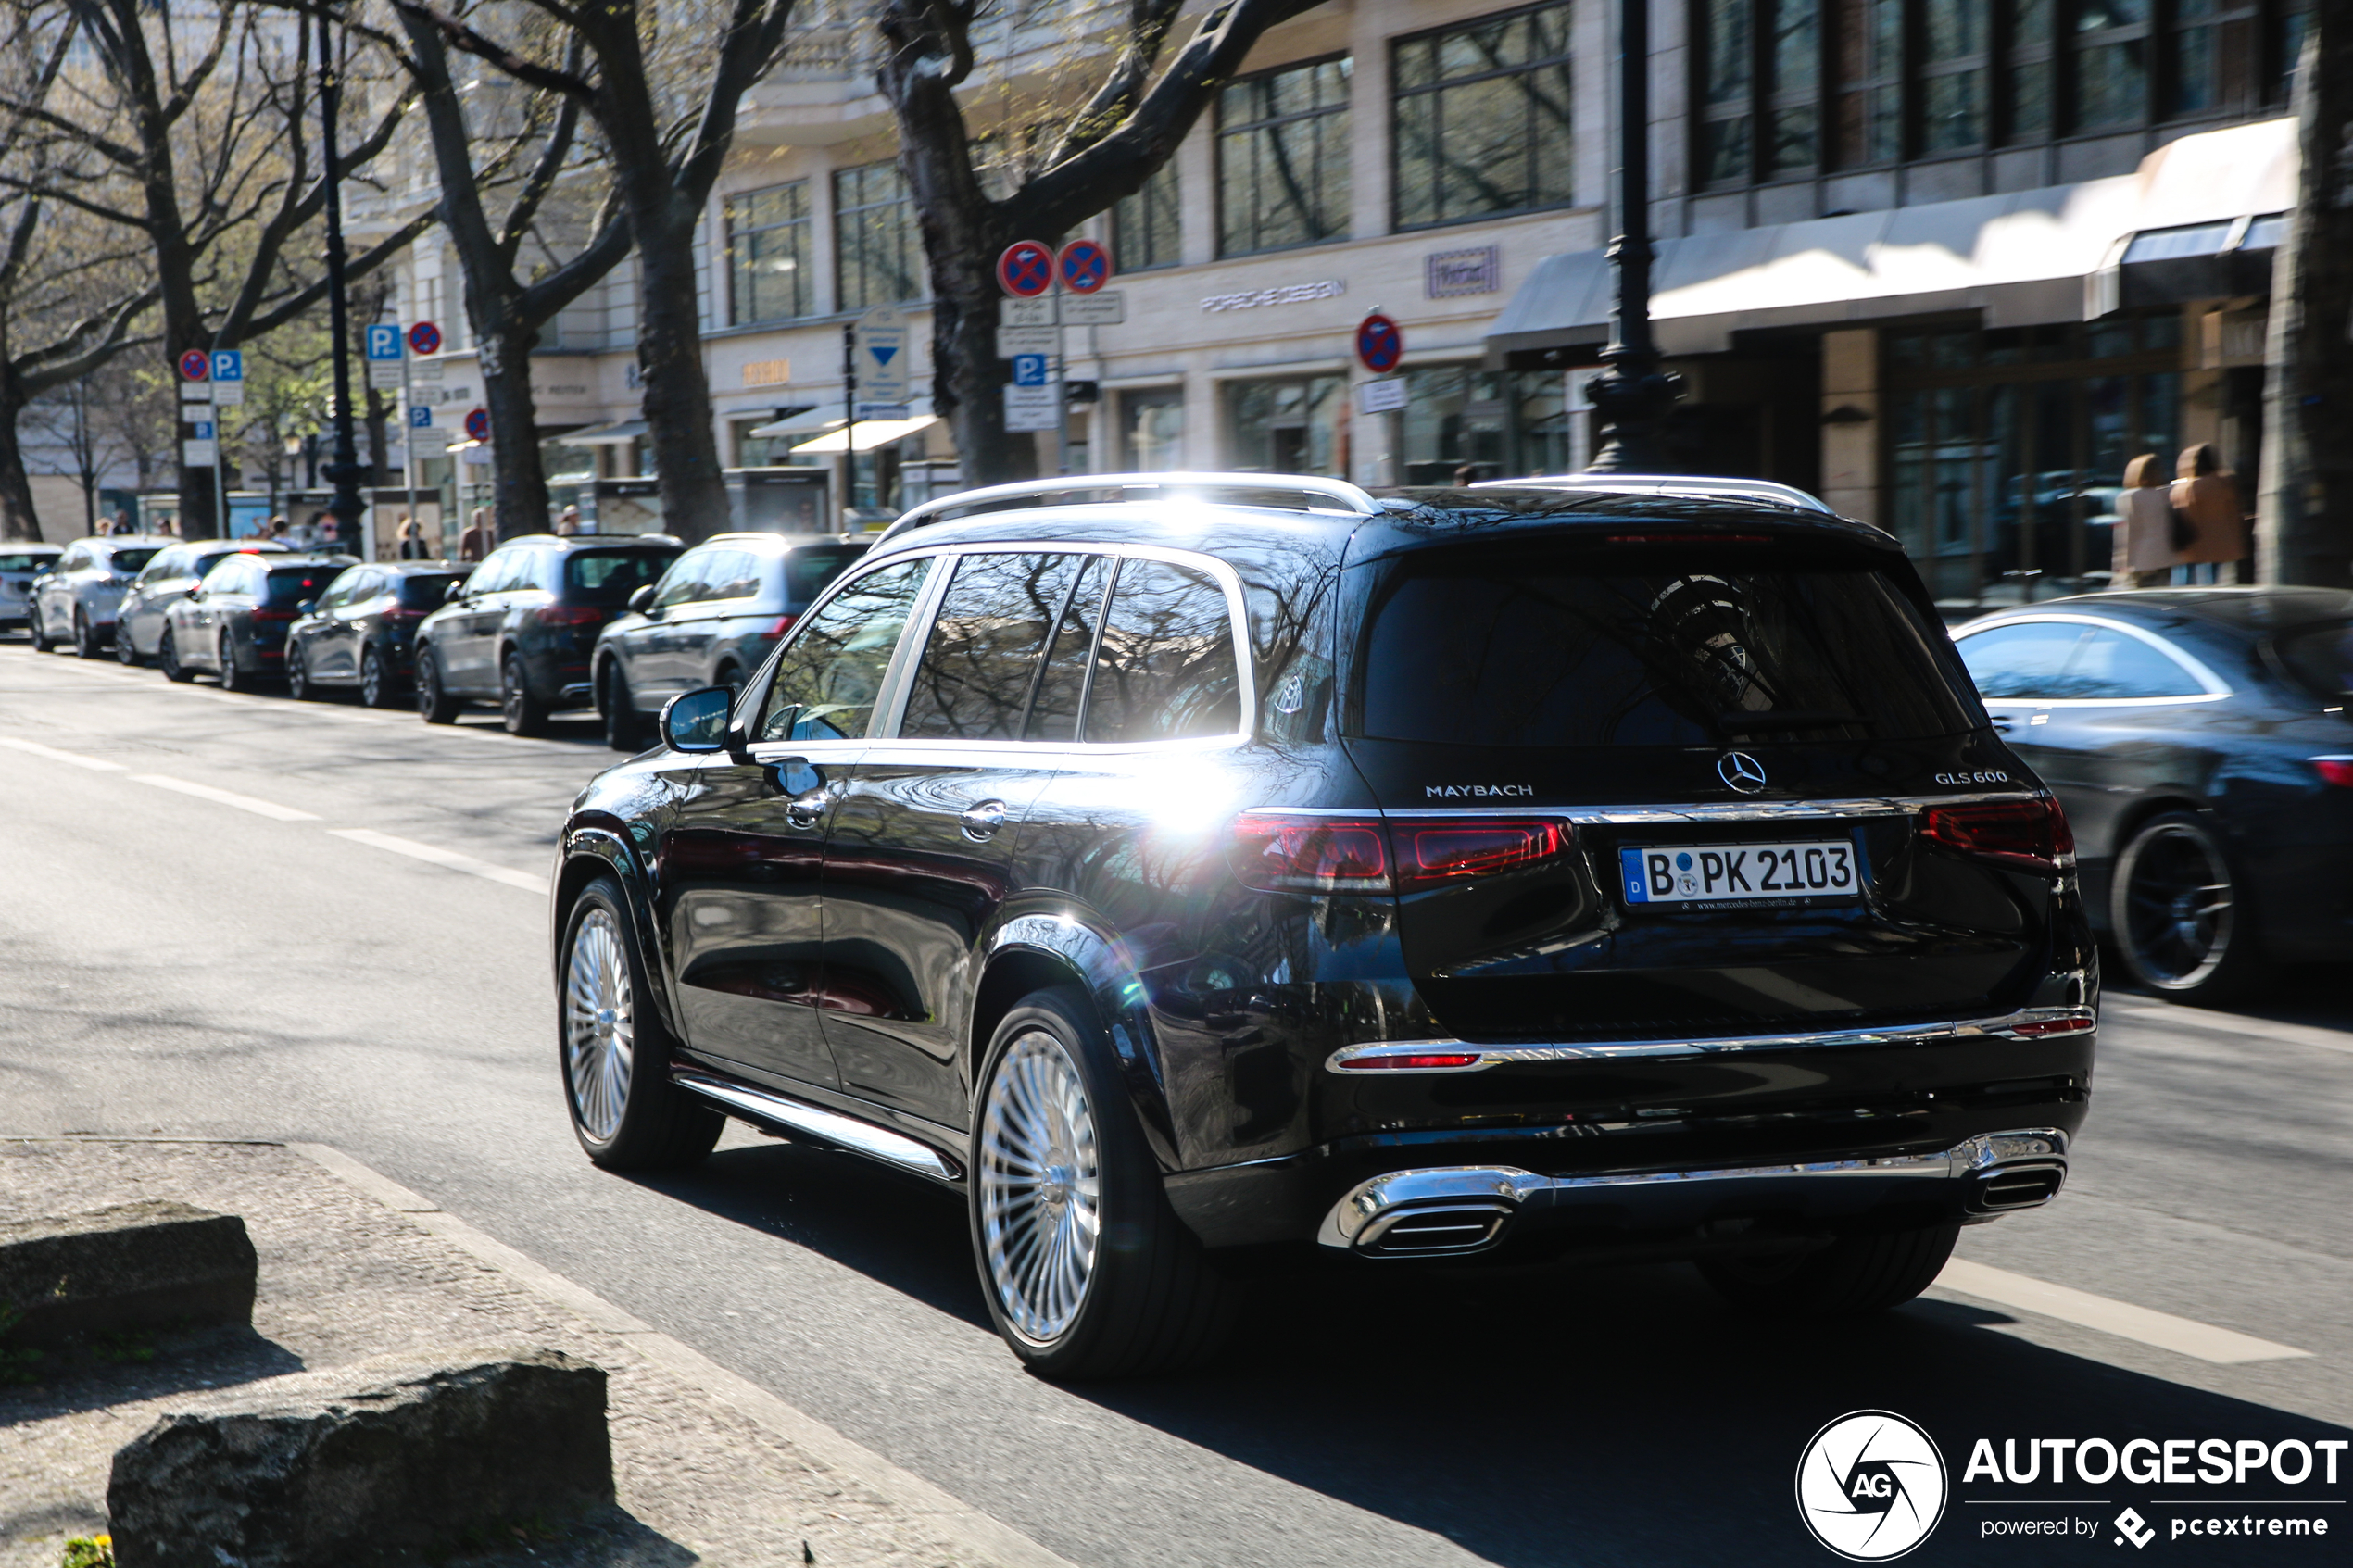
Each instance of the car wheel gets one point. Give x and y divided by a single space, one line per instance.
523 713
126 651
375 684
298 683
1855 1275
42 641
167 658
1087 1271
434 704
623 723
85 636
731 677
231 678
2181 914
615 1053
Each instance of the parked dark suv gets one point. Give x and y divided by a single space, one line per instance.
1190 870
521 629
710 621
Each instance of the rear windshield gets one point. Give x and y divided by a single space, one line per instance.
609 577
132 560
808 572
1644 646
289 585
2321 658
426 590
13 562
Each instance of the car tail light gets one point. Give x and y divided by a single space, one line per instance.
2028 834
569 615
1421 1061
783 624
2041 1026
1276 853
1432 853
264 615
2337 770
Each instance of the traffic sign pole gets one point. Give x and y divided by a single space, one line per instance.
407 451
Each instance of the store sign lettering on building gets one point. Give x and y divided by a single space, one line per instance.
1289 294
1448 274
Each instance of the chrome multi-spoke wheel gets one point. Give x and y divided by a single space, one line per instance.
600 1034
1041 1187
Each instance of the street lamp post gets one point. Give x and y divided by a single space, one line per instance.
343 472
1632 395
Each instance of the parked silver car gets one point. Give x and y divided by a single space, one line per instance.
139 620
20 565
75 602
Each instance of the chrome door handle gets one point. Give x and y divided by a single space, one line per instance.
981 820
805 810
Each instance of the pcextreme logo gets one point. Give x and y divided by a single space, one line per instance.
1870 1485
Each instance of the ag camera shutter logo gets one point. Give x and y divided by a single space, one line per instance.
1871 1486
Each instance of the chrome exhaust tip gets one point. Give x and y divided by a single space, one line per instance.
1440 1230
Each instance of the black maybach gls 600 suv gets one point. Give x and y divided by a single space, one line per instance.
1191 869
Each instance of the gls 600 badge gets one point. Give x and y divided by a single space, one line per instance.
1870 1485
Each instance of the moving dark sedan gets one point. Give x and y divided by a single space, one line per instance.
166 581
2199 740
1192 869
76 600
362 631
710 621
520 630
21 565
234 622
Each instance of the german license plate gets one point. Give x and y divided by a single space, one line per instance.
1739 874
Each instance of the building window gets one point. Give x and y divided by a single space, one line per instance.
768 254
1287 426
877 253
1282 158
1145 231
1788 87
1155 430
1481 119
1499 424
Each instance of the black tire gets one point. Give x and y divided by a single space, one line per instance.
231 678
1851 1276
42 641
658 1126
522 712
624 726
731 677
167 658
376 687
2181 913
126 651
299 685
434 705
1152 1300
85 637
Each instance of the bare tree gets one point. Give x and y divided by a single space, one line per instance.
1106 143
625 64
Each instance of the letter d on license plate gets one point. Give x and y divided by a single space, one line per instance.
1739 874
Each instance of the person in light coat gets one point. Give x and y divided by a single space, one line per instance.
2209 495
2141 554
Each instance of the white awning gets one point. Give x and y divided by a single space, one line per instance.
870 434
2027 258
619 433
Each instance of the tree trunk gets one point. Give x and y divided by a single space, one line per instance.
677 403
2304 517
17 519
520 491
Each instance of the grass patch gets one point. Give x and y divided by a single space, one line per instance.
90 1551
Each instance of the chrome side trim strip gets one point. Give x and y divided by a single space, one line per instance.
2025 1025
1640 816
832 1126
1368 1208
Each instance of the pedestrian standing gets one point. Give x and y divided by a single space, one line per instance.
412 546
474 543
568 522
2141 554
2206 495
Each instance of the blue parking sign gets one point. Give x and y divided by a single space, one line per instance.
383 341
228 364
1029 369
420 416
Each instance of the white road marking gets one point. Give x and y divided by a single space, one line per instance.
270 809
34 748
2183 1336
449 858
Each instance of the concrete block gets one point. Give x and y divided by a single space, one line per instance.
387 1461
138 1266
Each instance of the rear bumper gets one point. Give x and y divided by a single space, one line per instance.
1451 1211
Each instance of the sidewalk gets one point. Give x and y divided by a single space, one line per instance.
709 1468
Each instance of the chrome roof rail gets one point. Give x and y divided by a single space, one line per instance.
1703 486
1310 495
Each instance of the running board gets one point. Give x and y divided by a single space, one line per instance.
828 1126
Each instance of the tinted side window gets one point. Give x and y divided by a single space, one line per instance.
426 590
1165 663
2109 664
1054 716
603 577
493 575
684 581
809 572
734 575
74 559
2023 661
830 673
172 563
982 655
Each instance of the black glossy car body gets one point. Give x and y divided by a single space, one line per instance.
234 622
1358 931
164 582
75 601
361 631
712 619
21 564
2223 706
522 629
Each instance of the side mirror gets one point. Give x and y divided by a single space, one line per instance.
306 607
195 593
697 722
455 591
643 599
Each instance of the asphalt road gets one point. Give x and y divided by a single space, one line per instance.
230 964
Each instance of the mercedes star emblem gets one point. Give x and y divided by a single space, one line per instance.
1741 772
